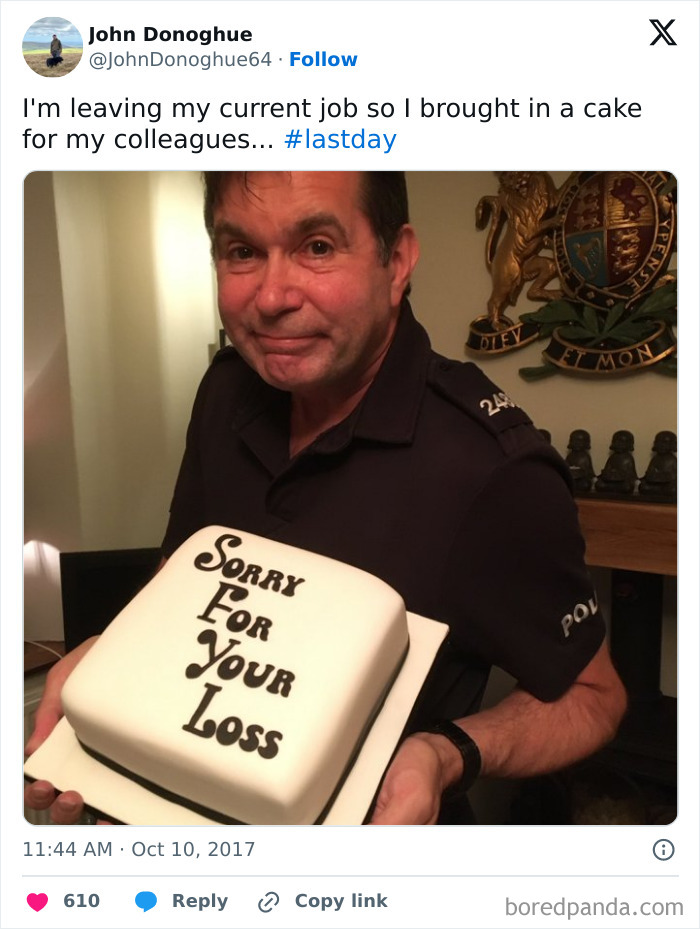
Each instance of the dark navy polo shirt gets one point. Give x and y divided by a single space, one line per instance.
437 483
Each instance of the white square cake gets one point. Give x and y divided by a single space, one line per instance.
241 681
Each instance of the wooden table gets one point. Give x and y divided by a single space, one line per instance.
632 535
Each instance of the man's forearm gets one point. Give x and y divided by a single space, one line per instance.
522 737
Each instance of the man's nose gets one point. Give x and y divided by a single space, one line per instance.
278 291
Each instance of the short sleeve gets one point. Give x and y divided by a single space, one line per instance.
517 583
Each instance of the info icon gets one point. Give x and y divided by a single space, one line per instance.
663 849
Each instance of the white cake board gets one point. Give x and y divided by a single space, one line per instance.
62 761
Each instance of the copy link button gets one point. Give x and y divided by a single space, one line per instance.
268 902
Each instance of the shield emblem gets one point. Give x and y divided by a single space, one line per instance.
615 238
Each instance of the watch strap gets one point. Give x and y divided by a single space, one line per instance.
468 749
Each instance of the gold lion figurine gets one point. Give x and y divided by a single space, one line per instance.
521 215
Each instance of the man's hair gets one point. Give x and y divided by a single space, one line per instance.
383 200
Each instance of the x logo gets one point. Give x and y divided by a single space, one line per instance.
663 31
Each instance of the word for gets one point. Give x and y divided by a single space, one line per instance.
200 903
151 34
335 903
322 60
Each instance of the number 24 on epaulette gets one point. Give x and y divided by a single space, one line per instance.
496 403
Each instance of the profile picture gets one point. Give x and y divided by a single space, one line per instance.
52 47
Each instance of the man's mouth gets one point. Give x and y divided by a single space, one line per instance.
285 344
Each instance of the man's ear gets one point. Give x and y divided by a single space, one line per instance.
404 257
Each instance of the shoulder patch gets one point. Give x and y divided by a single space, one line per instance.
467 387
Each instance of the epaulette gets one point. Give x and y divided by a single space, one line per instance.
467 387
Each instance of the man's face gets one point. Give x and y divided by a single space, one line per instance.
303 294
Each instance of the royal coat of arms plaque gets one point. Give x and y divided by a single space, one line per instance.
608 237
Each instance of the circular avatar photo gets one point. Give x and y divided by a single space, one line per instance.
52 46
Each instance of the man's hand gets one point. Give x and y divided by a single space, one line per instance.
520 737
423 767
66 808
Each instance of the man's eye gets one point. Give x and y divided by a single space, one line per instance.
240 253
319 248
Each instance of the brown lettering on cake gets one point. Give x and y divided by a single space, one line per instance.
231 591
230 666
208 637
292 584
240 621
270 748
282 683
204 560
209 727
251 575
229 730
277 581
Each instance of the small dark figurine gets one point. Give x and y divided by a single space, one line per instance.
579 461
619 475
660 476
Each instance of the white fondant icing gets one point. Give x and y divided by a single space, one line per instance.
332 636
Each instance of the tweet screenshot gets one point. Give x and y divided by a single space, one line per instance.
354 457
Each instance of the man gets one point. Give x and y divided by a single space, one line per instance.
333 426
56 47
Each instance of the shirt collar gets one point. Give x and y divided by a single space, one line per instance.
389 409
386 414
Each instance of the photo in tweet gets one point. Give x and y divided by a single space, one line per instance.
592 261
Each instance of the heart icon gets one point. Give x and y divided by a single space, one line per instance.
37 901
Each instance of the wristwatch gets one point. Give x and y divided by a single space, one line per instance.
468 749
